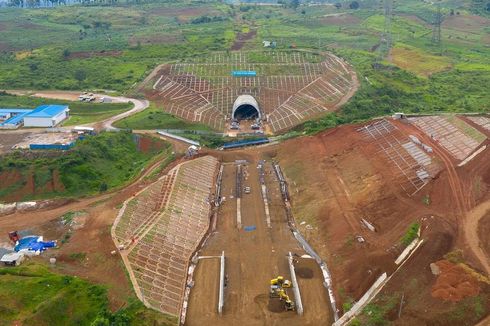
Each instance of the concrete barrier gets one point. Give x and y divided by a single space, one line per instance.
407 251
6 209
363 301
297 294
238 214
378 285
472 156
182 139
266 206
221 297
304 244
327 277
217 199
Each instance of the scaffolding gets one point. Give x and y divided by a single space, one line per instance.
393 145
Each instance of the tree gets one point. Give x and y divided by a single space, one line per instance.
103 187
33 66
338 5
66 53
80 75
354 5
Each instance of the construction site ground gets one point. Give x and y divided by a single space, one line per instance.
335 178
253 258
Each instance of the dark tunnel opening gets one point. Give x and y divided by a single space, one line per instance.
246 112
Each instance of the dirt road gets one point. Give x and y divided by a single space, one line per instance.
471 233
463 198
22 220
139 105
253 258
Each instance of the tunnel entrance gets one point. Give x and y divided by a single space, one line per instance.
245 108
246 112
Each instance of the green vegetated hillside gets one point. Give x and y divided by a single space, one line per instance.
95 164
33 295
108 47
80 113
116 46
154 118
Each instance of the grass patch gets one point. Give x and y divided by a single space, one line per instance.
87 113
155 118
417 61
466 128
411 234
169 157
468 311
32 295
80 256
456 256
374 314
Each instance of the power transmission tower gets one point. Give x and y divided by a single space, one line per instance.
386 37
436 28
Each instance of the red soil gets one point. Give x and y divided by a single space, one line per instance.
242 38
454 283
56 182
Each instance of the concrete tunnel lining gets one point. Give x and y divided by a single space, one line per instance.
247 103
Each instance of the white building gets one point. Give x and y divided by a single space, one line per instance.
46 116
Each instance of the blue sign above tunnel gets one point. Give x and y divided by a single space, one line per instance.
244 73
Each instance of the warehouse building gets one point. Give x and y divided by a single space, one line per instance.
12 118
46 116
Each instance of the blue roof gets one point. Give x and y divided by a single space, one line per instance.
47 111
14 110
16 119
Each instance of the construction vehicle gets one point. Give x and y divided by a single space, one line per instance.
280 282
14 236
288 304
277 290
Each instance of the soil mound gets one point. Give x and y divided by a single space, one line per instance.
454 283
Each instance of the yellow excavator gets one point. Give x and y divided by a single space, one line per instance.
278 286
280 282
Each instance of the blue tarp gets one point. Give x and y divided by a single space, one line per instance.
33 243
250 228
243 143
63 147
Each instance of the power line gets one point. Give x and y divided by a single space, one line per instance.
386 39
436 28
